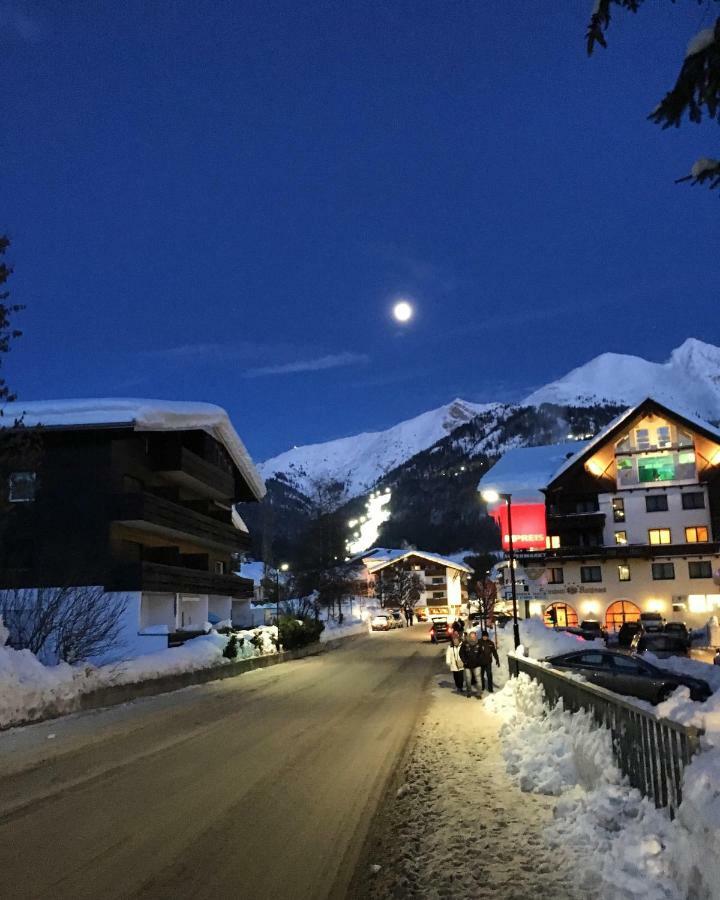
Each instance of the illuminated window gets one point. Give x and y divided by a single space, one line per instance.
703 602
590 573
701 568
618 507
663 571
656 468
696 534
693 500
621 537
659 536
552 542
623 573
555 576
656 503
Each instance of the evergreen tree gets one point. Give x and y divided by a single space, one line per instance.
696 90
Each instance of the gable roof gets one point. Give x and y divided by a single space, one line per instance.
617 425
380 558
524 471
141 415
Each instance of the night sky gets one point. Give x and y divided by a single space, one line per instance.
221 200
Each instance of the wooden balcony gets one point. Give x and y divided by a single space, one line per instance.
181 466
160 578
148 513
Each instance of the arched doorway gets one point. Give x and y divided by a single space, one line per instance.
564 616
620 611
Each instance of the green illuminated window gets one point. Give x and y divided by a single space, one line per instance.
656 468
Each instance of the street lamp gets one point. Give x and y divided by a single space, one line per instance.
491 496
283 567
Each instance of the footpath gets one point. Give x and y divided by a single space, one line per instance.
454 825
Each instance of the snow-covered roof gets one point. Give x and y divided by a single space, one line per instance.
142 415
629 414
380 558
524 471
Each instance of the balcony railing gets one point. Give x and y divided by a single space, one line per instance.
147 576
181 465
150 513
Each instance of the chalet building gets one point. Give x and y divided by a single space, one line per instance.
625 523
444 581
137 497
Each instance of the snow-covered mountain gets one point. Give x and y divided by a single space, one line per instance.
689 381
359 461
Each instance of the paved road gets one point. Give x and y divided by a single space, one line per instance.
262 786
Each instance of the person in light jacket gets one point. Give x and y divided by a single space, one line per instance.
454 661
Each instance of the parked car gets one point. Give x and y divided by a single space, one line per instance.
384 621
627 632
652 621
420 614
660 643
679 629
398 618
591 630
440 630
626 673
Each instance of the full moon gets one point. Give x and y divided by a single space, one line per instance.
402 311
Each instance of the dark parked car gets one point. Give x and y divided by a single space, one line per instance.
680 630
502 618
591 629
652 621
440 630
627 632
661 644
625 673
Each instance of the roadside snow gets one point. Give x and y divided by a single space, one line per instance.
30 690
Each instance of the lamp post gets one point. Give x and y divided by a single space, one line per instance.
283 567
493 497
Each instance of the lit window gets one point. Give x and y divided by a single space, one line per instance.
700 568
552 542
696 534
623 573
555 576
656 468
621 537
21 487
659 536
618 507
663 571
686 457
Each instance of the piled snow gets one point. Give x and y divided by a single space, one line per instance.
523 471
538 641
700 42
626 845
360 461
142 415
703 165
29 690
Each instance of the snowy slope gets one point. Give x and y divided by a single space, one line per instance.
688 381
359 461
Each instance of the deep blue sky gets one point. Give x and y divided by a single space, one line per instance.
200 190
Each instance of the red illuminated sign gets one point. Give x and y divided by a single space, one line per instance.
528 520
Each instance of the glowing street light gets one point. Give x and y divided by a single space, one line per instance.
283 567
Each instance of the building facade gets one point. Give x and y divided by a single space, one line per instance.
135 497
632 522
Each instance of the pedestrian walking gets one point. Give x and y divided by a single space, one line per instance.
458 628
472 660
408 615
486 652
454 662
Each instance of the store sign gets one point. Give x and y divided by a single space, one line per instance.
573 589
528 521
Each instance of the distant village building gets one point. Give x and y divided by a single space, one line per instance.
138 497
621 524
443 581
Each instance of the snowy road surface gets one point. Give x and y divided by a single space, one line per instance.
261 786
456 826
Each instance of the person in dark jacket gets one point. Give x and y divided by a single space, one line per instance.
471 657
486 653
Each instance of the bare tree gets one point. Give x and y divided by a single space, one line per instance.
67 623
399 587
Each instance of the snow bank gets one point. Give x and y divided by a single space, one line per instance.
29 690
624 844
538 641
